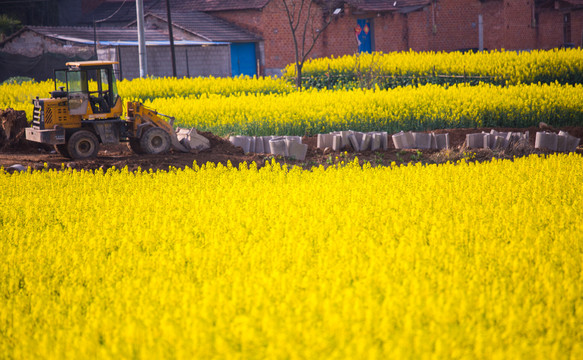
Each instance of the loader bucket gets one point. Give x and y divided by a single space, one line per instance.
183 140
176 144
189 139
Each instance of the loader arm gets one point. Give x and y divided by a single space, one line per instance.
140 116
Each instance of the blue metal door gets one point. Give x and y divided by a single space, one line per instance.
243 59
364 35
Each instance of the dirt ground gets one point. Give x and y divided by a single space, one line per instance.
119 156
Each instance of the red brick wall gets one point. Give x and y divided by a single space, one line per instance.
550 28
453 25
494 28
390 32
418 30
339 38
577 27
517 22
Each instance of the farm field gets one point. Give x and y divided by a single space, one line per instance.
474 260
388 254
563 66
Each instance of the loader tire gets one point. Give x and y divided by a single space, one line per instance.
155 141
135 146
62 150
83 144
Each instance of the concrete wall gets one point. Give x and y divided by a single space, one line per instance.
202 61
31 44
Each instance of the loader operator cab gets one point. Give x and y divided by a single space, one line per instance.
87 83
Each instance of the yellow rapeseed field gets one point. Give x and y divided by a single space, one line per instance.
508 67
150 88
470 261
403 108
269 106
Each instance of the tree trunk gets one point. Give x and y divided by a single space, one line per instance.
299 76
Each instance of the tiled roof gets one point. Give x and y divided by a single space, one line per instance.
207 26
103 33
112 13
184 15
387 5
105 36
225 5
574 4
120 13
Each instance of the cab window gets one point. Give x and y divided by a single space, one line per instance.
60 79
113 88
77 81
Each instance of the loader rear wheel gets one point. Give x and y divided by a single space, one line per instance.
62 149
83 144
155 141
135 146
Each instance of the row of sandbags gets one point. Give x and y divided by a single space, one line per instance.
379 140
289 146
422 141
495 140
563 141
359 141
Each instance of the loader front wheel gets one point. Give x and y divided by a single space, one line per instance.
62 149
155 141
135 146
83 144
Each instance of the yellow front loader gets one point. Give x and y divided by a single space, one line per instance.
87 111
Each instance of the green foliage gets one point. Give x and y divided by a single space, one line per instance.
8 25
17 80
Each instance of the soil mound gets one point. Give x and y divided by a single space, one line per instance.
12 125
220 145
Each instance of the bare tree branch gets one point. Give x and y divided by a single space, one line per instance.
303 13
306 23
300 14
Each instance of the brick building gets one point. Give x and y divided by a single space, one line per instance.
420 25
